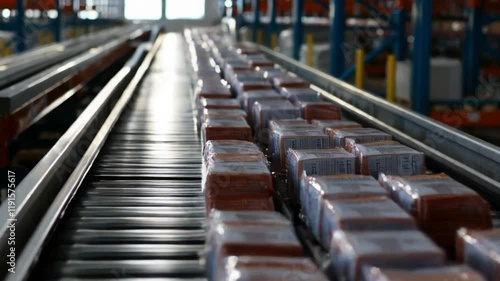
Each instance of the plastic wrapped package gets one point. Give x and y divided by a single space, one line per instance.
314 190
290 81
405 249
273 268
254 62
226 129
350 144
232 67
295 124
320 110
212 91
230 178
248 98
392 159
270 74
336 124
236 240
480 249
223 114
439 204
295 138
242 87
362 214
317 162
360 135
215 103
267 110
258 202
273 274
445 273
300 94
231 150
245 218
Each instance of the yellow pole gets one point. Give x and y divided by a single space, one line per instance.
310 45
260 37
3 48
274 40
391 78
360 68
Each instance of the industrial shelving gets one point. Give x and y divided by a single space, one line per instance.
400 20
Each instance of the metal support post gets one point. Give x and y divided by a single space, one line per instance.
256 19
298 28
337 31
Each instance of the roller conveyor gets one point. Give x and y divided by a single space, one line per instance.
139 211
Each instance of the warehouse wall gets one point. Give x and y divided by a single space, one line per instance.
211 17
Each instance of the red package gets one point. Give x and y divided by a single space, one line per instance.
408 249
249 98
320 111
480 250
360 135
393 159
265 111
227 179
226 129
215 103
223 113
295 95
445 273
290 81
315 190
362 214
271 267
350 144
231 150
335 124
439 204
245 218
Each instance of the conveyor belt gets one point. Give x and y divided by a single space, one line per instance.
139 212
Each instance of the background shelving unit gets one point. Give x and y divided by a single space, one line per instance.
412 30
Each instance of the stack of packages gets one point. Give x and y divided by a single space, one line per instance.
448 273
439 204
480 249
332 165
256 246
246 239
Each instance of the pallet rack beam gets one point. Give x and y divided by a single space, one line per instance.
256 19
272 28
20 36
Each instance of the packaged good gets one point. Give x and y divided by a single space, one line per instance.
296 124
265 111
275 268
406 249
392 159
336 124
320 110
223 113
360 135
300 94
314 190
445 273
272 274
242 87
362 214
231 150
245 218
258 202
321 162
231 240
350 144
250 97
212 91
214 103
439 204
226 129
270 74
480 249
290 81
284 139
229 178
254 62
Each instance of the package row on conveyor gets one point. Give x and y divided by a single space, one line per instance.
368 226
